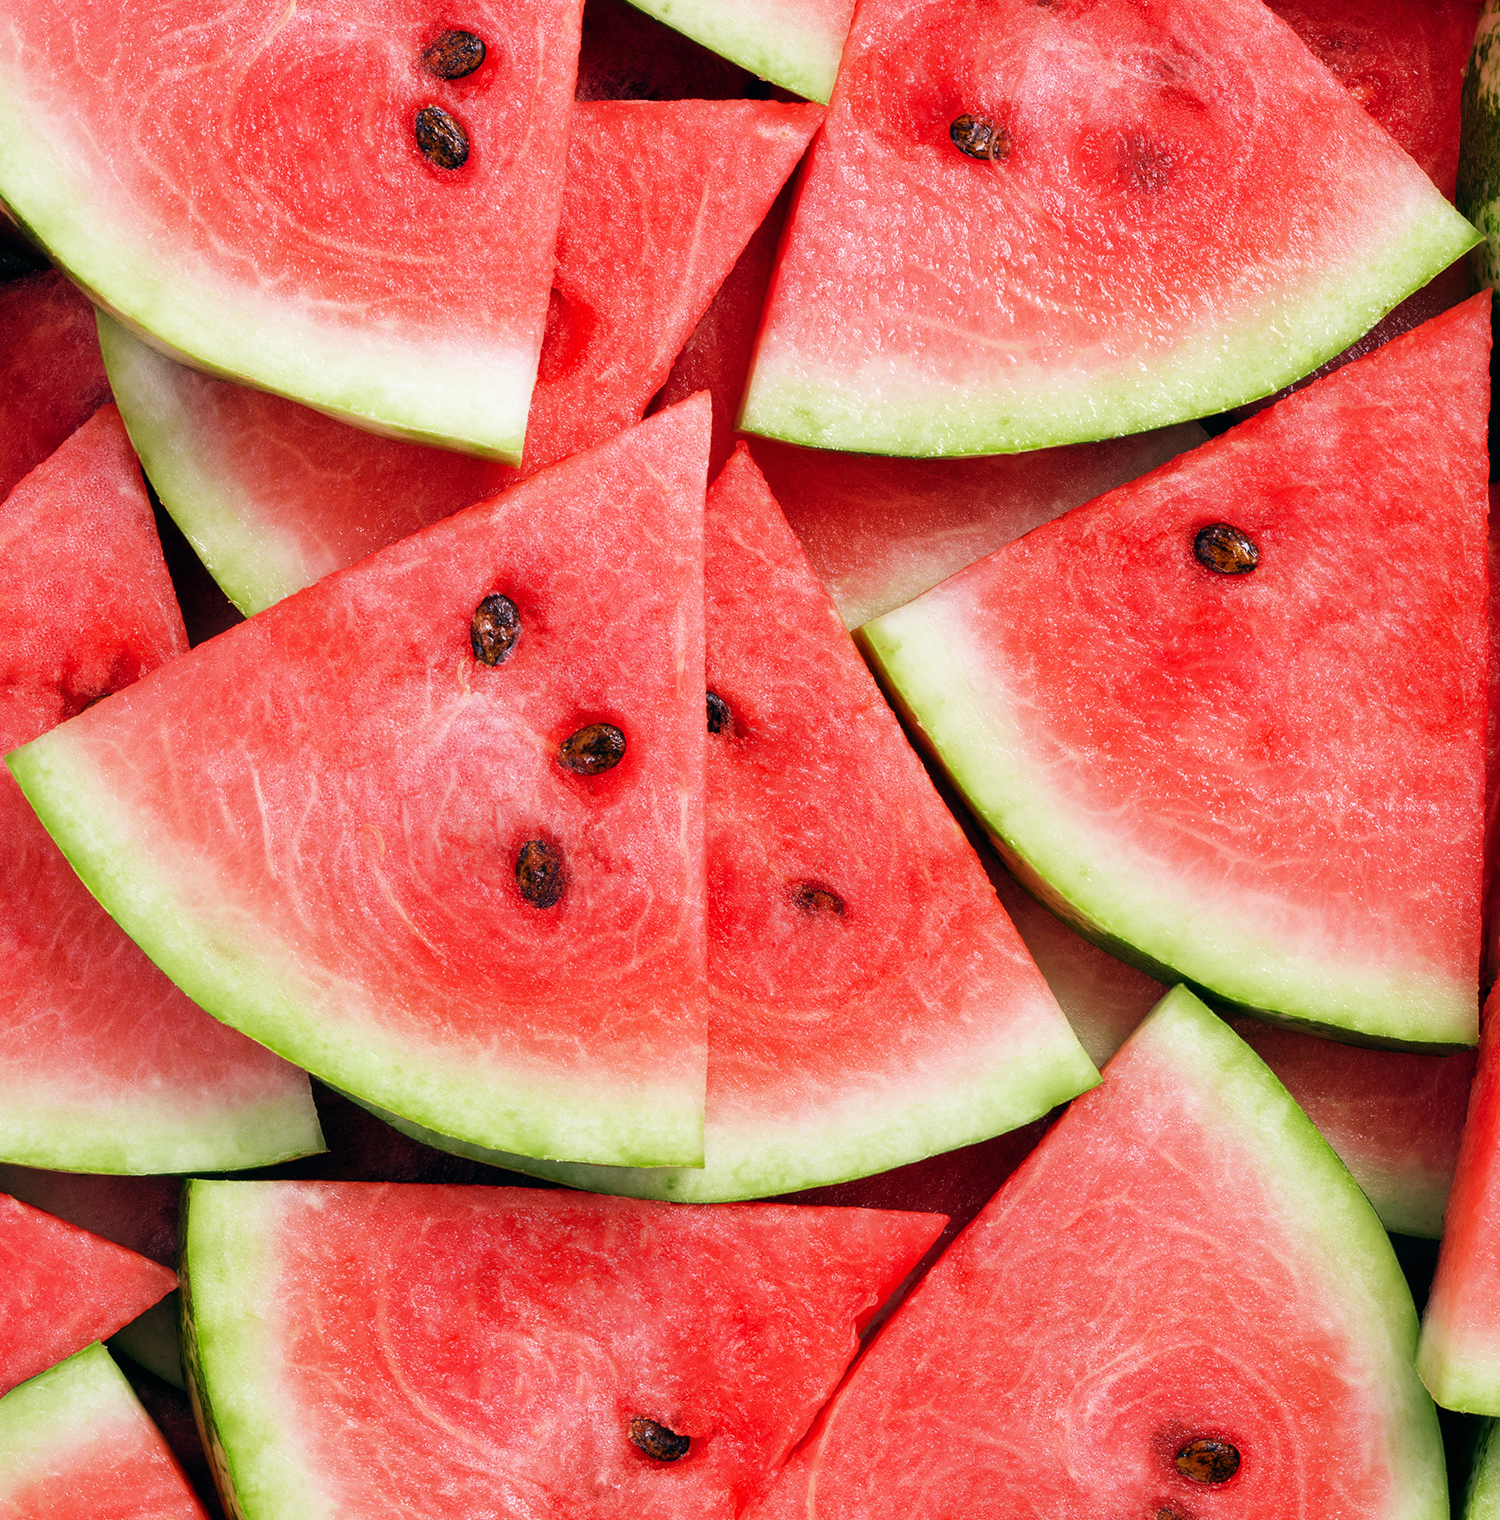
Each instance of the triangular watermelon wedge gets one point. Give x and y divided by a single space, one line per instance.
105 1066
1270 781
1026 224
363 1348
457 877
1179 1305
62 1287
307 198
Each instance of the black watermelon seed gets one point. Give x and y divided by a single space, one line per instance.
494 629
593 750
1207 1461
719 716
442 141
980 139
1224 549
812 898
539 873
453 55
656 1440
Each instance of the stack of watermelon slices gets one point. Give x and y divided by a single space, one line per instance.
599 853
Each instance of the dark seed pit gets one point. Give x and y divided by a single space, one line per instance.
539 873
453 55
494 629
980 139
441 140
1225 549
811 898
1208 1461
719 717
593 750
656 1440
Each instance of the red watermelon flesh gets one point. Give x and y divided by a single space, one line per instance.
483 1351
1239 774
52 379
106 1065
881 531
1181 1259
1492 753
660 200
313 249
338 864
62 1287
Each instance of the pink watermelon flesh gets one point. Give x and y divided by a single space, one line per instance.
1238 776
882 531
75 1441
1233 215
483 1351
333 865
52 379
106 1065
1180 1259
1492 754
306 245
660 200
62 1288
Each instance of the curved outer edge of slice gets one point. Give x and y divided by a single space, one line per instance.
1482 1499
981 749
1478 196
763 37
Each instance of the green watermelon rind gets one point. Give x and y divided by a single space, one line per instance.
262 992
429 391
1209 371
917 654
1478 194
1482 1499
803 61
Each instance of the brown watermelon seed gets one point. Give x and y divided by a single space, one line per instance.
1208 1461
980 139
494 629
1225 550
719 716
593 750
442 141
453 55
539 873
812 898
656 1440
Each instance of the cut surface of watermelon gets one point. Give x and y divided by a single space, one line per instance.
62 1288
1231 213
75 1441
1237 776
104 1064
470 892
1181 1260
429 1351
306 244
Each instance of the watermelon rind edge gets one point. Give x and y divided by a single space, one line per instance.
1482 1498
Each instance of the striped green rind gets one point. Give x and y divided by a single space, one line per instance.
1478 195
1100 887
209 944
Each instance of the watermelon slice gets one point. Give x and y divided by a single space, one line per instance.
1236 776
426 1351
1179 1305
105 1065
307 242
660 200
458 877
62 1287
1233 215
1482 1501
1478 190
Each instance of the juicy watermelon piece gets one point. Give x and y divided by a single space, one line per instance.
105 1065
1478 192
304 243
882 531
1182 1258
52 379
1235 217
793 43
332 853
1482 1501
1238 776
75 1441
660 200
62 1288
366 1348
